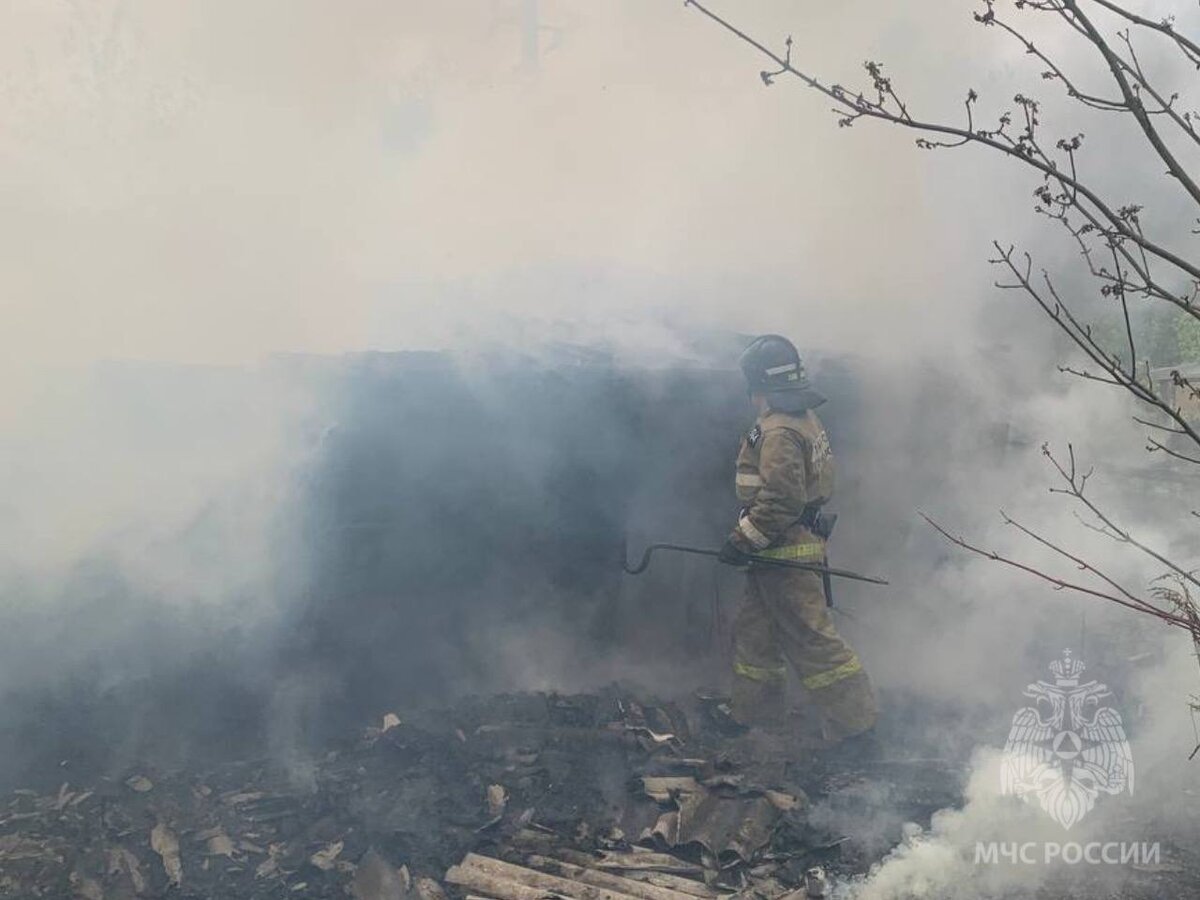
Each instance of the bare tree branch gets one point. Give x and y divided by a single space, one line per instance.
856 106
1062 584
1189 48
1133 101
1077 486
1062 315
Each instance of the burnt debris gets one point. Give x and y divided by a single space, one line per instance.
516 797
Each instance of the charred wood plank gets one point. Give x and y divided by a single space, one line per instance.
500 888
648 861
662 879
474 865
610 881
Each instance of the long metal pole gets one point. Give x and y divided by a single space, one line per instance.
758 560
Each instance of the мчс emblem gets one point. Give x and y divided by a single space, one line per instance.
754 436
821 451
1068 747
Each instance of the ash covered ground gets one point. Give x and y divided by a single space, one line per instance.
501 776
580 788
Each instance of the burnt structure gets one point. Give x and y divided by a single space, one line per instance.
447 502
454 526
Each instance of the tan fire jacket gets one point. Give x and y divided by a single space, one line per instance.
784 464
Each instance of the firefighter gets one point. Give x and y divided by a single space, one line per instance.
784 476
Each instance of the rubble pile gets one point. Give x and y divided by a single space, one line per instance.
592 797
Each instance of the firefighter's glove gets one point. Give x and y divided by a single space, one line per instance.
733 555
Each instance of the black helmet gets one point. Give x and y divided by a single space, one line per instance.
773 367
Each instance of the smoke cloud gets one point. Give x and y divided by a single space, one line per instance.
193 189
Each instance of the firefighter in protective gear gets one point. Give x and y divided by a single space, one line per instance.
784 476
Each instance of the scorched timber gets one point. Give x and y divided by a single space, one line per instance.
506 881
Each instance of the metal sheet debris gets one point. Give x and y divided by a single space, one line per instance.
574 790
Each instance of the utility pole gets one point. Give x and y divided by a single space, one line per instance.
526 17
529 34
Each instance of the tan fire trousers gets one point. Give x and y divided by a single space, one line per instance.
783 620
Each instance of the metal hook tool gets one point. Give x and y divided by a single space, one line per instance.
644 563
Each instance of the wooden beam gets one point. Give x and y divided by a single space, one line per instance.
607 880
496 869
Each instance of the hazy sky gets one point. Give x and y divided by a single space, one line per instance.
209 180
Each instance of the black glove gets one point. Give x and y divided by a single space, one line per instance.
733 555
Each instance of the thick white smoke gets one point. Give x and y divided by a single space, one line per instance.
208 182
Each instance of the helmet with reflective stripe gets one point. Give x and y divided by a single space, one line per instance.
773 367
